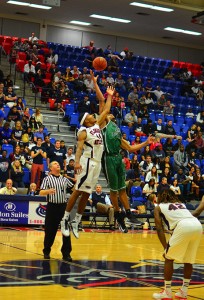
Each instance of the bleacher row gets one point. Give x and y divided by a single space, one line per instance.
7 42
138 67
150 67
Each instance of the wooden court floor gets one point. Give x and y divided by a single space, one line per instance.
106 265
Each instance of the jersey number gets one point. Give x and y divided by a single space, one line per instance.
175 206
98 142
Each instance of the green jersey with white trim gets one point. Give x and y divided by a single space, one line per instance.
111 138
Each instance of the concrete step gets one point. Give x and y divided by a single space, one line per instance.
68 138
59 128
50 118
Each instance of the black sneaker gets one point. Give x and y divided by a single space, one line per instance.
121 223
133 220
111 227
67 258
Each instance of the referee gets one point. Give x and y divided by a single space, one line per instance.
54 187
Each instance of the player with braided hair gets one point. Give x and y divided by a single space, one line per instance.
183 243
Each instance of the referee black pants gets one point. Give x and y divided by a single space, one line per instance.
54 215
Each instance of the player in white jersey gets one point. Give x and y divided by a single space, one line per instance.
183 243
87 165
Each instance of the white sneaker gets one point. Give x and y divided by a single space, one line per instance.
65 227
75 228
181 295
164 295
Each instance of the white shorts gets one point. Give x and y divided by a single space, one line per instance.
88 178
184 242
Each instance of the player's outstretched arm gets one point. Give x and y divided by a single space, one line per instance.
159 226
110 91
99 94
199 209
132 148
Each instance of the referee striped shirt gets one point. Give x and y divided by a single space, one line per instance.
60 184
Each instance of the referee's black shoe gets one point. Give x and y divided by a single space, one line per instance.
67 258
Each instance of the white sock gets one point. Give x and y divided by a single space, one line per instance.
66 215
167 286
185 285
78 218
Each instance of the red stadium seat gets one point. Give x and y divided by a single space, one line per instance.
22 55
52 103
1 39
20 65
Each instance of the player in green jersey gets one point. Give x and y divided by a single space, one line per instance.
112 162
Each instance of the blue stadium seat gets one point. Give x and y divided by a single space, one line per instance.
125 129
190 206
177 128
131 138
198 162
189 121
185 143
155 61
74 121
26 177
45 166
52 140
179 120
163 140
69 109
143 139
160 116
152 116
31 111
169 117
144 121
8 148
136 194
6 111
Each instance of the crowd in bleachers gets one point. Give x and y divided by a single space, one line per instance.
153 96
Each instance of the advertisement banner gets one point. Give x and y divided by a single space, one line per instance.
36 213
13 212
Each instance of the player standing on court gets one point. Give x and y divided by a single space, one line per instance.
183 243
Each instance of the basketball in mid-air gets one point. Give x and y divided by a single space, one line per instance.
99 63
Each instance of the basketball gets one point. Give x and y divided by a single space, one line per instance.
99 63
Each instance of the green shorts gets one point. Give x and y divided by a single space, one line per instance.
114 170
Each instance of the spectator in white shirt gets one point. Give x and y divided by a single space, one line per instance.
110 80
131 118
89 84
33 39
52 57
189 113
146 165
29 71
152 174
149 188
157 92
69 155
